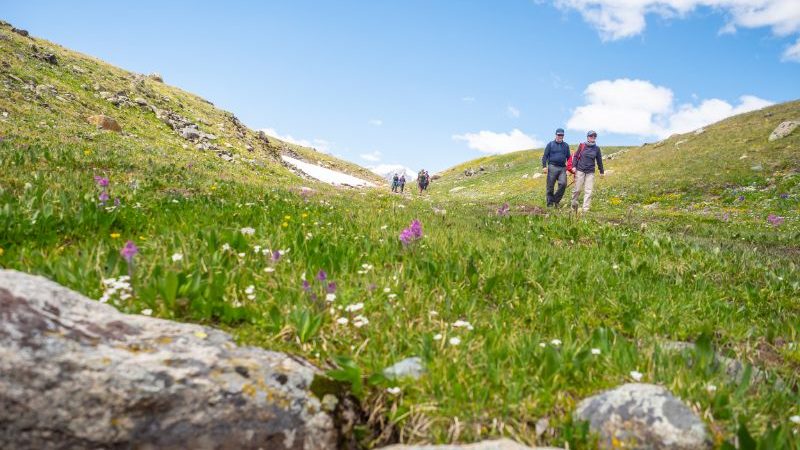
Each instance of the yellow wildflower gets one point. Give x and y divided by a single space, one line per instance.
2 251
115 235
284 224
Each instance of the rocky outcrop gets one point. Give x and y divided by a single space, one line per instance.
76 373
643 416
104 122
499 444
784 129
155 76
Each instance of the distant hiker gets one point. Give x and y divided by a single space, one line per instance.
395 182
402 182
554 162
422 180
584 161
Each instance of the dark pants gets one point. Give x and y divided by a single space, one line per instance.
555 173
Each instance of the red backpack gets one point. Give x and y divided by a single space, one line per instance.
573 159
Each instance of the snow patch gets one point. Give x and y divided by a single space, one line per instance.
325 175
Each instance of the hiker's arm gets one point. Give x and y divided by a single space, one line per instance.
545 156
600 161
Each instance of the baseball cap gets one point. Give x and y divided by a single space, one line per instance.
560 131
591 133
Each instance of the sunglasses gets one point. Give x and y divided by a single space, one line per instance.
561 135
593 135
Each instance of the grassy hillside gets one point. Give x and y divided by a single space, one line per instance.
517 317
49 92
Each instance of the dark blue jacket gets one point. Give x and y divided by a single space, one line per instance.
590 154
555 154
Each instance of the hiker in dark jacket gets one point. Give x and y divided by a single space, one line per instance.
584 171
554 164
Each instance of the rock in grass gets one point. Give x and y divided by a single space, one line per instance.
407 368
643 416
499 444
104 122
76 373
155 76
784 129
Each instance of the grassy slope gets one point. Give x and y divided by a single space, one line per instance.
38 114
607 282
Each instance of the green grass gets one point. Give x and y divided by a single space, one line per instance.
623 279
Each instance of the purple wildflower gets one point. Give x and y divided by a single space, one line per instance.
101 181
416 228
372 286
784 196
503 210
775 220
306 285
741 198
412 233
726 217
116 201
331 287
322 276
406 236
129 251
103 197
276 256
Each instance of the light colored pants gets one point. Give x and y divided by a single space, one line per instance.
583 182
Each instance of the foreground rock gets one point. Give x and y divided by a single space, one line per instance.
75 373
500 444
784 129
104 122
643 416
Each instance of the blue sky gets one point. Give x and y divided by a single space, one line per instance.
432 83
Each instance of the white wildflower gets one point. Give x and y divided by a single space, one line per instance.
392 296
542 344
387 290
795 419
257 248
147 312
556 342
393 390
269 269
249 289
177 257
354 307
437 337
454 341
241 255
248 231
711 388
433 313
226 247
637 376
384 227
360 321
462 324
595 351
330 297
342 320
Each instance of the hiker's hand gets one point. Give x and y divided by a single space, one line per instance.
544 169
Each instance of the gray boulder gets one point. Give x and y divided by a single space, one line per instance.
643 416
76 373
190 133
784 129
499 444
407 368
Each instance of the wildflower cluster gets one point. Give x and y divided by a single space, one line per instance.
116 289
412 233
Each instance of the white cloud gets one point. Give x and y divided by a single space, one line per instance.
491 142
468 99
372 157
638 107
512 111
690 117
319 144
792 53
617 19
376 122
621 106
